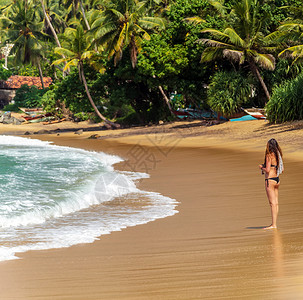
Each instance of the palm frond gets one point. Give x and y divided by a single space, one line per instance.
152 22
266 61
194 20
104 29
293 52
146 35
98 66
117 13
234 37
71 63
65 52
216 33
291 26
118 56
59 61
119 44
87 55
219 6
274 37
214 43
234 55
211 54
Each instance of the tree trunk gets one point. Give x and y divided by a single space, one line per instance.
86 22
255 70
166 100
133 52
41 75
50 24
84 16
52 30
92 101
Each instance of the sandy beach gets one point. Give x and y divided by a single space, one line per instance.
214 248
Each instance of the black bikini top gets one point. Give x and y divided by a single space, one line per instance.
274 166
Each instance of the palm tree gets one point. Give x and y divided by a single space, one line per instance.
25 31
73 7
242 40
124 24
51 12
76 51
290 36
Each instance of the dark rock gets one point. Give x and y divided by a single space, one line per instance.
94 137
27 133
80 131
42 131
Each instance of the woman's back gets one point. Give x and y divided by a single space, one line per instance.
271 159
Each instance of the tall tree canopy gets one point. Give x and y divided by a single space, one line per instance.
242 40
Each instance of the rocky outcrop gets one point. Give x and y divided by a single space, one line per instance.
7 118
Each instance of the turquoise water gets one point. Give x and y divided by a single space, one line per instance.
54 197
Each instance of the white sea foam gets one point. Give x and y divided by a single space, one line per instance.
54 197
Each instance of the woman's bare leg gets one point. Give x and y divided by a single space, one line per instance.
277 196
272 195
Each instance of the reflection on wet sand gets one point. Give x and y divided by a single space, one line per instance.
278 253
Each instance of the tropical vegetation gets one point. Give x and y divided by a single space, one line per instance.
127 61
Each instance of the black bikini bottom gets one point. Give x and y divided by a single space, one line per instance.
276 179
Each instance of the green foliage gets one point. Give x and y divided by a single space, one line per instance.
84 116
130 118
286 103
138 54
284 70
125 25
25 30
178 101
160 59
29 96
71 92
11 107
4 74
49 102
227 92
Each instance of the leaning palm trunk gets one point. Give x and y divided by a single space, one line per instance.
133 52
84 16
50 24
41 75
255 70
166 100
92 101
51 28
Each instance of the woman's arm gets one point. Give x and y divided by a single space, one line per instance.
266 168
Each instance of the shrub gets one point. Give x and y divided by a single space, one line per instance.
11 107
228 91
48 101
286 102
4 73
29 96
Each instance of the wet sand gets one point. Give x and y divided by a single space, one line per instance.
214 248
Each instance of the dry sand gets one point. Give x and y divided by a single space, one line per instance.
214 248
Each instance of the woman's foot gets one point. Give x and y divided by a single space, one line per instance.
270 227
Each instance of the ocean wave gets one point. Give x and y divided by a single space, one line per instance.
54 197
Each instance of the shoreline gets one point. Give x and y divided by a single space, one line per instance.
190 255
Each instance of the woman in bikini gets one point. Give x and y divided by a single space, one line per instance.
272 167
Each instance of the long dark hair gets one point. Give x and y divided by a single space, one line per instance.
273 147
